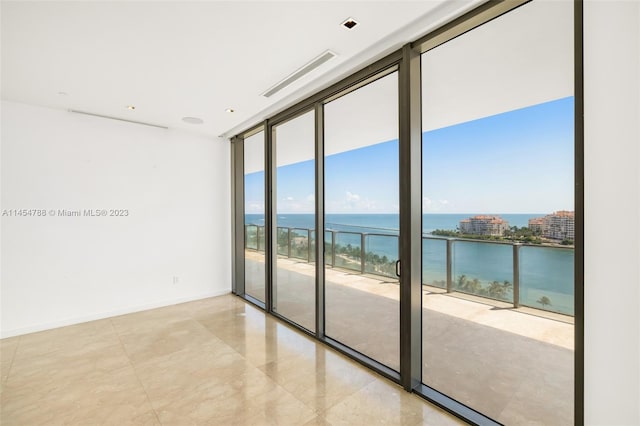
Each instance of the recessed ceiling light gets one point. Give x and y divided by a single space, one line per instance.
229 110
192 120
349 23
131 107
62 93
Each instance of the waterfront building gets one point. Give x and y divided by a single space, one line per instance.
484 225
537 225
559 225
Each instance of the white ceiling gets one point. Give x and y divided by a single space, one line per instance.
177 59
505 65
509 63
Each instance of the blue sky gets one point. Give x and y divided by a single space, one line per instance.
516 162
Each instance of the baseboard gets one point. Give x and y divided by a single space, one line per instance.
107 314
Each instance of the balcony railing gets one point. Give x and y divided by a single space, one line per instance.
452 264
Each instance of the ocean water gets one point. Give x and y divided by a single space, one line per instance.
382 223
544 271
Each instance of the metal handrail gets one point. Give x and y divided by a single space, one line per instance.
507 243
331 260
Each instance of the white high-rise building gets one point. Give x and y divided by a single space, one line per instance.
559 225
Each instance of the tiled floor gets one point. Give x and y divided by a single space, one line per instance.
217 361
513 365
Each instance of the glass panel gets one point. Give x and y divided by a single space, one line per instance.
546 278
348 250
301 244
294 201
498 182
283 235
329 252
361 198
380 252
251 237
254 271
312 246
483 269
434 262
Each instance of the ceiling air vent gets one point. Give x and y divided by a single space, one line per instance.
299 73
117 118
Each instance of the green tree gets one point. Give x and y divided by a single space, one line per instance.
496 290
544 301
462 282
499 290
474 286
445 233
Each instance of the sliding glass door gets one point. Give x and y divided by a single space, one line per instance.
498 224
254 218
361 220
294 281
465 139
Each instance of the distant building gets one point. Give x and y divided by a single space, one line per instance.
537 225
559 225
484 225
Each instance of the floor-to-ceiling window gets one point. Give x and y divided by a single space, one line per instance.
294 225
361 219
254 217
489 327
498 223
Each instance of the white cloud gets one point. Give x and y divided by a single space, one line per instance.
255 208
296 204
351 202
428 205
352 197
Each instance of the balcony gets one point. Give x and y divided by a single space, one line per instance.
495 350
449 264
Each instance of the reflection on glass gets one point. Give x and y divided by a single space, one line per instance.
361 202
498 211
294 202
254 271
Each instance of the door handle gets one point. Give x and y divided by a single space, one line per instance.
398 268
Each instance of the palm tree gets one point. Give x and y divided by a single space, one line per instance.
496 290
507 287
474 286
462 281
544 301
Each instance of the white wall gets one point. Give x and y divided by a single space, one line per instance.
612 213
64 270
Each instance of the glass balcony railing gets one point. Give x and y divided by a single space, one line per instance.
251 236
529 275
